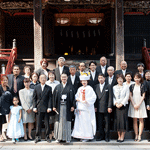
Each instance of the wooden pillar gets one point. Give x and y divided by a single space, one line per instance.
38 42
2 29
49 22
112 31
119 32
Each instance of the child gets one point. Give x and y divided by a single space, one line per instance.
15 126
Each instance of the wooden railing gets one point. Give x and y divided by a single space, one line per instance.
10 55
146 55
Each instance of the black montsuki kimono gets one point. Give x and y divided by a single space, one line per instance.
70 100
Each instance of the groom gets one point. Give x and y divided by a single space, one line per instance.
42 106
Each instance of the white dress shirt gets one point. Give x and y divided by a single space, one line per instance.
103 69
102 86
64 84
61 69
93 74
110 79
42 86
124 72
72 78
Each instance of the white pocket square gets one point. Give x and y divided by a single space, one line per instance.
106 90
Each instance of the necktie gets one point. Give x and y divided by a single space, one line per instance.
15 85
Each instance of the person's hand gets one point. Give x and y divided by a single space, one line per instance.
136 107
29 111
120 105
77 100
72 109
109 110
117 105
54 109
48 110
148 108
35 111
95 109
19 120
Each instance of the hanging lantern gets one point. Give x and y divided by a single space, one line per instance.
94 32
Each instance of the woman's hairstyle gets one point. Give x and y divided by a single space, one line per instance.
140 64
120 76
4 77
26 80
34 73
51 72
26 67
138 75
44 60
128 73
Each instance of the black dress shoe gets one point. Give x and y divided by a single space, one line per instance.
99 139
118 140
107 139
37 140
148 140
48 140
121 141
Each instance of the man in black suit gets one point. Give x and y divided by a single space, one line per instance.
103 66
15 81
61 68
110 79
82 68
93 74
123 70
103 106
73 79
42 106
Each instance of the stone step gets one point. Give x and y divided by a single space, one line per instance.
113 134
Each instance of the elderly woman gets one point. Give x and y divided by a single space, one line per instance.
28 116
120 100
27 71
34 82
43 69
5 102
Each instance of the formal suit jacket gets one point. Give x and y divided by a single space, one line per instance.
92 82
70 101
98 69
104 99
40 71
5 100
26 99
147 95
42 100
20 83
114 81
57 72
120 72
76 84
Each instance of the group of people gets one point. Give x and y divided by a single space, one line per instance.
75 104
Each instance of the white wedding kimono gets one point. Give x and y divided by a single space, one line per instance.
85 121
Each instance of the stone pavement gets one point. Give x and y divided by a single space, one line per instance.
94 145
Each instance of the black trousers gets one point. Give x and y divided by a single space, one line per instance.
39 117
104 125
